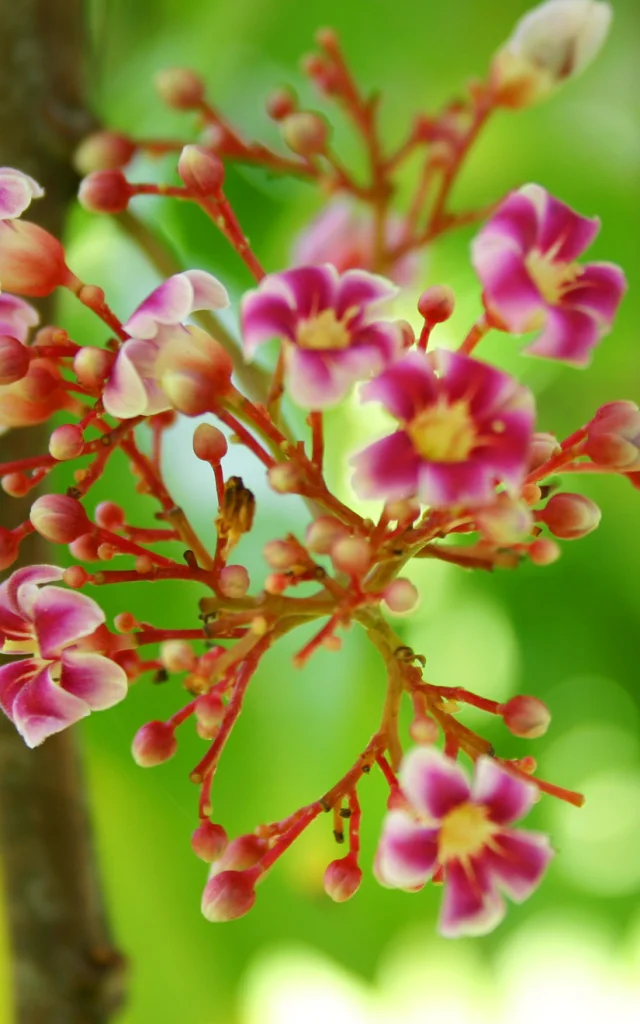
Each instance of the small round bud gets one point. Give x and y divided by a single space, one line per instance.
276 583
92 366
436 304
210 710
143 565
531 494
66 442
505 522
209 841
322 534
153 744
305 133
107 551
342 879
424 729
570 516
526 717
401 596
541 448
351 555
16 485
234 581
285 478
103 151
544 551
281 554
404 510
280 103
75 577
8 548
177 656
59 518
105 192
85 548
32 262
201 170
209 443
180 88
109 516
125 622
229 895
14 360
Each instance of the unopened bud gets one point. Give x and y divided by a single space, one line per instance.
342 879
105 192
285 478
209 443
505 522
59 518
234 581
125 622
75 577
66 442
201 170
541 448
613 437
280 103
8 548
16 485
194 372
403 510
242 852
153 744
14 360
351 555
210 710
526 717
424 729
401 596
32 262
109 516
180 88
281 554
177 656
229 895
544 551
209 841
103 151
436 304
322 534
570 516
85 548
305 133
92 366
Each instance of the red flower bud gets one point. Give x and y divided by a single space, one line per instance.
34 398
32 262
105 192
544 551
179 88
541 448
210 710
85 548
242 852
342 879
234 581
66 442
229 895
59 518
209 841
570 516
280 103
92 366
201 170
153 744
14 360
103 151
436 304
8 548
209 444
526 717
109 516
16 485
305 133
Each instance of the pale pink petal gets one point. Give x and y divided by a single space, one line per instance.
208 291
470 906
569 335
312 288
12 626
358 288
387 469
42 708
60 617
517 861
13 676
16 192
405 388
447 484
516 221
509 292
565 234
174 300
17 317
130 390
267 313
313 381
433 783
22 586
98 681
507 798
598 290
408 852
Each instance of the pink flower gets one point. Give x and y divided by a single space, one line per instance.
327 321
59 683
16 317
133 388
16 192
464 427
343 235
525 257
463 831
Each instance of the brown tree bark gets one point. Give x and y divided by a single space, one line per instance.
64 967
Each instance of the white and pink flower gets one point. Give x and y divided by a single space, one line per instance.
16 192
62 680
329 325
464 832
134 387
464 427
17 317
526 256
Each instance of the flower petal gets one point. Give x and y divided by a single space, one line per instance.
564 233
12 626
312 288
22 586
16 317
447 484
471 906
267 313
598 290
387 469
313 380
359 288
60 617
516 221
507 798
510 295
129 391
517 861
98 681
569 335
174 300
405 388
208 291
408 852
432 783
13 676
16 192
41 709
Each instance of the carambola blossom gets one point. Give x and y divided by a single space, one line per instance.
525 257
329 326
16 317
464 427
16 192
60 681
464 832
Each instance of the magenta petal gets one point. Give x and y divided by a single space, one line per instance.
385 337
169 303
98 681
16 192
446 484
507 798
266 313
41 709
471 906
16 317
13 676
598 291
509 292
208 292
312 288
60 617
432 783
387 469
12 626
22 586
517 861
515 220
405 388
359 288
408 852
570 335
314 380
564 233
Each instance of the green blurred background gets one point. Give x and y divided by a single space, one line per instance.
568 633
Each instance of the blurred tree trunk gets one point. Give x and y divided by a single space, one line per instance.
64 968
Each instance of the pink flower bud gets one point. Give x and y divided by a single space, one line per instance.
75 577
194 372
285 478
59 518
209 841
103 151
613 438
401 596
14 360
105 192
8 548
66 442
526 717
85 548
242 852
280 103
351 555
506 521
436 304
180 88
620 410
109 516
542 447
153 744
570 516
405 510
229 895
209 443
201 170
34 398
544 551
305 133
234 581
177 656
281 554
342 879
92 366
322 534
32 262
210 710
16 485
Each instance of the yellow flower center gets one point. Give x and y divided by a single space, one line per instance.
26 646
464 832
444 433
323 331
551 277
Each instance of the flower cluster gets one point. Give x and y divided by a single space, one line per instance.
464 474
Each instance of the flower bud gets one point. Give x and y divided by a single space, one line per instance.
613 436
66 442
242 852
526 717
32 262
401 596
34 398
14 360
153 744
209 841
544 551
209 443
8 548
424 729
234 581
103 151
75 577
228 895
180 88
285 478
109 516
59 518
16 485
201 170
85 548
281 554
177 656
351 555
322 534
125 622
280 103
342 879
436 304
305 133
403 510
210 710
105 192
505 522
541 448
570 516
194 371
92 366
